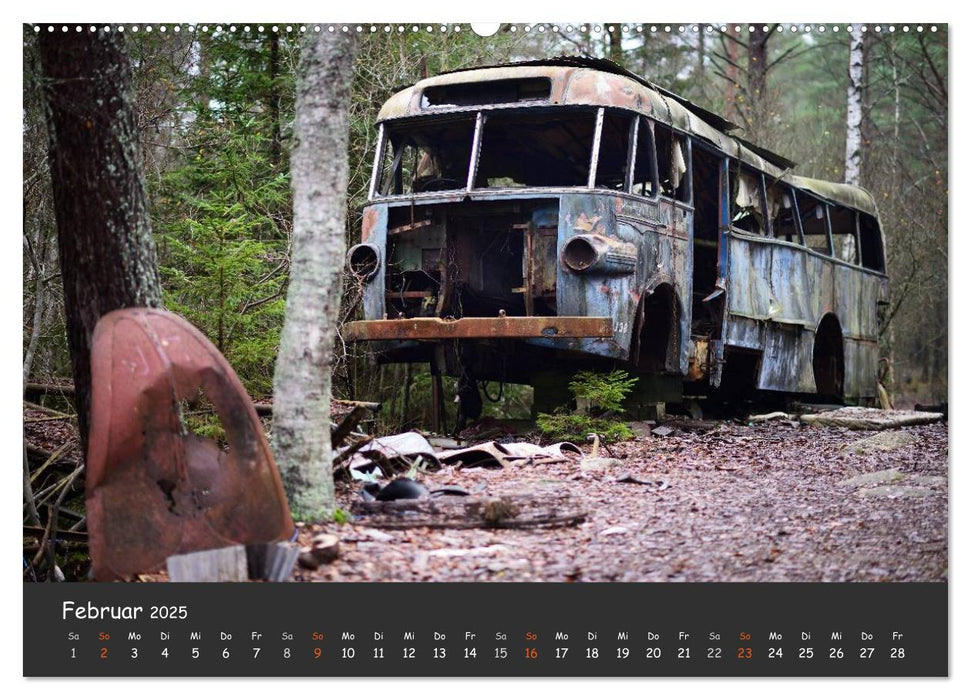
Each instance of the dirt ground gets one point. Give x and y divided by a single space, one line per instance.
771 502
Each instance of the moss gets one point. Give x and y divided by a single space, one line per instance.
577 427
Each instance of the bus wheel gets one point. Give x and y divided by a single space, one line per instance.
828 358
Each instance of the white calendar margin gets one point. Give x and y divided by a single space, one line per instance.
437 11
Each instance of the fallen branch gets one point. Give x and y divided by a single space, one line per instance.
44 409
50 534
29 502
513 524
64 484
338 434
36 388
66 535
266 409
46 419
39 454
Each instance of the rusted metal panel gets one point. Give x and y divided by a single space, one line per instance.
582 85
787 360
376 233
776 287
595 293
152 488
433 328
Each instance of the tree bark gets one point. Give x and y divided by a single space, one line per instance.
854 110
319 172
104 235
40 303
758 61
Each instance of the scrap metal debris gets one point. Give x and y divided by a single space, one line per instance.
499 455
153 488
387 455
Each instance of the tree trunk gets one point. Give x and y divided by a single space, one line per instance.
40 303
699 76
104 235
273 100
854 110
319 171
731 73
615 50
758 61
757 71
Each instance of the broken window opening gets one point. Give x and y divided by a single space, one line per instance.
536 149
782 213
871 244
615 137
425 157
672 165
748 213
843 223
645 166
489 92
815 223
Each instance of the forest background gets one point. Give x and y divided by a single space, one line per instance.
215 110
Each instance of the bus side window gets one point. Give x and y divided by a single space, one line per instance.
747 212
672 166
815 228
871 244
843 221
644 167
782 212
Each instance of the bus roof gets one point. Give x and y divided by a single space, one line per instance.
602 83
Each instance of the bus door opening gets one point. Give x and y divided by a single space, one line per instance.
708 301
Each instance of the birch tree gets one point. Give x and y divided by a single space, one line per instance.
854 110
103 230
319 174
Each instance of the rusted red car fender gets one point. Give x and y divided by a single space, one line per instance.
152 488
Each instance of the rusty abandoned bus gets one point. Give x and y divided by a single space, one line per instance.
528 220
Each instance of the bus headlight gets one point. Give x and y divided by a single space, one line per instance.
591 253
363 260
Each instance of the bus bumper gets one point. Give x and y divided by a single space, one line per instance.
433 328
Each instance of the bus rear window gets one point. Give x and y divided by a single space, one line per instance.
871 244
490 92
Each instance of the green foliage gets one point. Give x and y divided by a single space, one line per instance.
577 427
205 425
592 390
223 215
606 391
341 517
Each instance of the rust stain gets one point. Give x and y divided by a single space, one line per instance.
154 490
368 224
472 327
583 223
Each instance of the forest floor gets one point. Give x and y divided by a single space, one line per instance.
773 502
724 501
